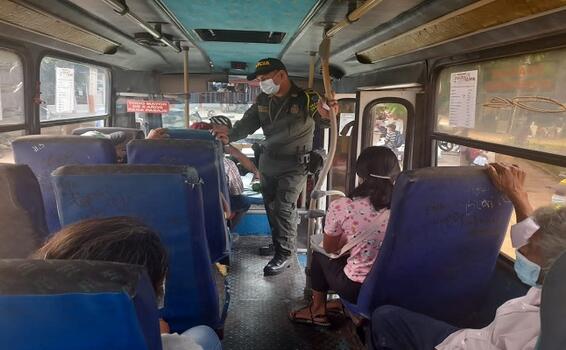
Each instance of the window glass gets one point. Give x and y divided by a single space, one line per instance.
545 183
517 101
206 105
6 138
72 90
67 129
389 125
338 172
11 89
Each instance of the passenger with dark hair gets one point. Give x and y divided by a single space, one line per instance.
359 220
126 240
540 239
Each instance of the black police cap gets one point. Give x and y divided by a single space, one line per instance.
265 66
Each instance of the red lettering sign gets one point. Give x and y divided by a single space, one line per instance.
148 106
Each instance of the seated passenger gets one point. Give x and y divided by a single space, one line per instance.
126 240
365 212
539 237
118 139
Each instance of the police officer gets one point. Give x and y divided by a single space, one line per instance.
287 114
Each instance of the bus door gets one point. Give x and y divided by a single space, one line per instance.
385 116
337 177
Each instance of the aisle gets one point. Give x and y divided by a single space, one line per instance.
257 318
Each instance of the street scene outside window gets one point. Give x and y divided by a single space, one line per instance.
389 127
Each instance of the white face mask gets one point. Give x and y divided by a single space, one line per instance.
522 231
269 87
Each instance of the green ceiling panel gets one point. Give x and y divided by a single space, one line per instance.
259 15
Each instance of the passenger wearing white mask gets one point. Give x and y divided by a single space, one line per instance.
539 237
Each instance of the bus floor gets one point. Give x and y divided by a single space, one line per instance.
257 318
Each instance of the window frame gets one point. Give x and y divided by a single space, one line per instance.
527 47
16 50
73 59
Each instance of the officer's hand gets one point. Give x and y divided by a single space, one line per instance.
323 108
221 133
159 133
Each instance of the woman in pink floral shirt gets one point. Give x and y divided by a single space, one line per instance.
364 212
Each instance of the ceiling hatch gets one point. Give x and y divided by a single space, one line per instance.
240 36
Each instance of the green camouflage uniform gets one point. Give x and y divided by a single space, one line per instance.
288 125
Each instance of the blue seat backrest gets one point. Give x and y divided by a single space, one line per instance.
76 304
44 154
201 155
193 134
166 198
22 217
446 227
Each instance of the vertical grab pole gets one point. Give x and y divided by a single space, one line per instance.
186 85
310 86
324 52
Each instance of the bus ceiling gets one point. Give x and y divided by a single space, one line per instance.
228 37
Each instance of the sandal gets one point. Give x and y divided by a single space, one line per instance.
316 320
335 311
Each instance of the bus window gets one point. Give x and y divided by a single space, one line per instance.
67 129
545 183
72 90
519 102
389 125
6 138
11 89
205 105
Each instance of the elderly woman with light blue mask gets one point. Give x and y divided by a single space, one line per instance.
539 238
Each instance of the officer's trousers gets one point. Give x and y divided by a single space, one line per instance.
280 194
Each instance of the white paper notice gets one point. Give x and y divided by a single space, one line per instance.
345 118
463 92
64 89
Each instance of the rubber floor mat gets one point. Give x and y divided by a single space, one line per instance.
259 308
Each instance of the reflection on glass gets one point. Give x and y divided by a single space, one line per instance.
11 89
519 102
72 90
545 183
6 138
389 122
343 145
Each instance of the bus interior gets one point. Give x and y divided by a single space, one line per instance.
463 83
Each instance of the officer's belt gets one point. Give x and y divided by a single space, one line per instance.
301 158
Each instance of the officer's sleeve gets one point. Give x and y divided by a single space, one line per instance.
245 126
312 101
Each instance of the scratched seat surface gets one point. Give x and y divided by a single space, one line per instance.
43 154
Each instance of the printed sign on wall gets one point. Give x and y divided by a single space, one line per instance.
148 106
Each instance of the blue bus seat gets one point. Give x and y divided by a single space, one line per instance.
44 154
201 155
446 227
553 308
131 133
194 134
166 198
76 305
22 216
